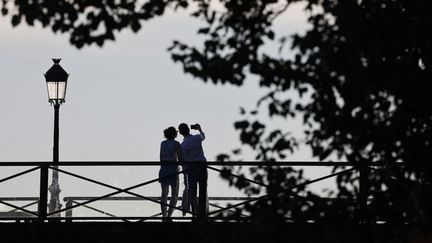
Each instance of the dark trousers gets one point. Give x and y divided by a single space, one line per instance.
198 176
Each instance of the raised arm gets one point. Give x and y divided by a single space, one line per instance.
202 134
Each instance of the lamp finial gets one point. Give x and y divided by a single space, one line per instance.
56 60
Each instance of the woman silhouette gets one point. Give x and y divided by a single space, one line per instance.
170 154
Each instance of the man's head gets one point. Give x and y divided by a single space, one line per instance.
184 129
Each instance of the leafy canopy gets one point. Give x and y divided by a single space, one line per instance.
362 72
364 65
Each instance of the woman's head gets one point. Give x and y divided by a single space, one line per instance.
170 133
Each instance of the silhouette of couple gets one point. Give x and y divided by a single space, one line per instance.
172 152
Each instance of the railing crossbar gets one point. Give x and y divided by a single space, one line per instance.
103 212
154 198
217 206
118 191
19 199
19 174
234 175
292 188
25 206
322 178
19 208
290 192
155 215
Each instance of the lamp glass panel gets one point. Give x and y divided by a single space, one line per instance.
56 90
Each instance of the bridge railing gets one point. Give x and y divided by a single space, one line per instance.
43 213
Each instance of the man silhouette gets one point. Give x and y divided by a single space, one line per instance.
192 151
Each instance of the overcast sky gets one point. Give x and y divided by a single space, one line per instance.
120 97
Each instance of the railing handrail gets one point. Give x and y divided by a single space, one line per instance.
210 163
362 167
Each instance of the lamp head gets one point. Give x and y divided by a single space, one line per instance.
56 79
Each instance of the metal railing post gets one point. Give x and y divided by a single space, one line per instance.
202 200
43 193
68 213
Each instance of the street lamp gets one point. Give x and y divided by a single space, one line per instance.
56 81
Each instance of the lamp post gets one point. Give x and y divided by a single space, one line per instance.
56 80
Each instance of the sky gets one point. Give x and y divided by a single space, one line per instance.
119 100
120 97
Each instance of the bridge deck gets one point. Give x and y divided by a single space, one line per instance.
120 232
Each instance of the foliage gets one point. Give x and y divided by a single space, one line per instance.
365 65
362 71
